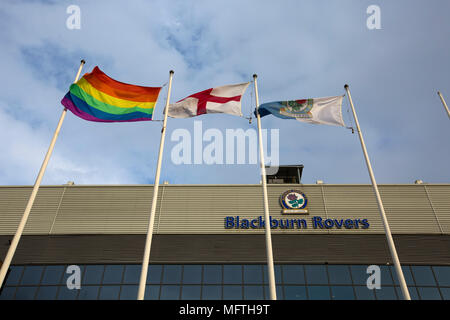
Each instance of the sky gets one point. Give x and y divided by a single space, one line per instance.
298 49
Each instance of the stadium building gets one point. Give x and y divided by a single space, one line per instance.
209 240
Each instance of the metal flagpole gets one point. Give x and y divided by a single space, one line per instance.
387 230
18 234
270 267
443 102
148 242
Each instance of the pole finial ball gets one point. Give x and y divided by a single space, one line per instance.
255 76
82 61
346 86
171 72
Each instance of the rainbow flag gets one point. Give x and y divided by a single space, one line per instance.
97 97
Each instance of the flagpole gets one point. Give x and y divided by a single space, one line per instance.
148 242
384 220
269 253
18 234
443 103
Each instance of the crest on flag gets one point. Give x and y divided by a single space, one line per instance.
326 110
297 108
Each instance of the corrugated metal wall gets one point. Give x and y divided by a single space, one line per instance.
201 209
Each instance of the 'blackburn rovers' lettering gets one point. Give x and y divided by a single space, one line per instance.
316 222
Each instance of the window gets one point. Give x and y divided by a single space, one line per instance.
293 274
14 275
93 274
211 292
113 274
132 274
212 274
32 275
53 275
109 292
339 274
342 293
253 293
295 293
229 281
129 292
190 292
154 274
170 292
319 292
232 274
316 274
192 274
172 274
423 276
442 275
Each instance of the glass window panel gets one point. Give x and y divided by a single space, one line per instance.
232 292
212 274
253 274
386 277
277 273
339 274
170 292
319 292
47 293
342 293
93 275
211 292
293 274
25 293
190 292
132 273
113 274
8 293
279 292
442 274
429 293
412 292
67 275
232 274
14 275
406 273
66 294
363 293
129 292
154 273
32 275
172 274
253 293
316 274
423 276
88 293
192 274
52 274
359 274
445 293
295 292
386 293
152 292
109 292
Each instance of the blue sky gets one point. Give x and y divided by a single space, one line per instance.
299 49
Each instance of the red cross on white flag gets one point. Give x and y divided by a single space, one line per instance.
225 99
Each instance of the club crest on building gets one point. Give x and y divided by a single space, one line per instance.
297 108
294 202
